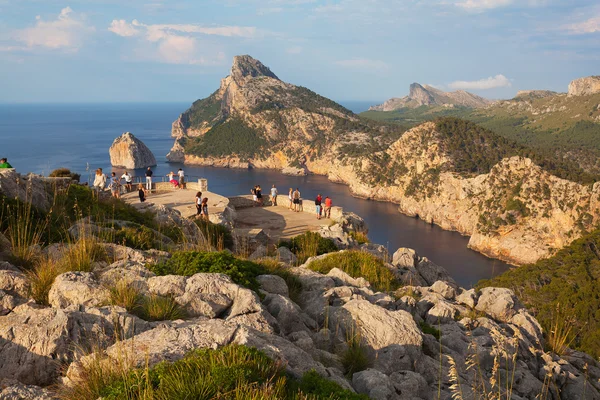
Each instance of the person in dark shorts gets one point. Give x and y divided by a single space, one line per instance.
198 203
296 196
141 193
259 198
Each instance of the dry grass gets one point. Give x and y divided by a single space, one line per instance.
355 357
41 278
561 333
159 308
127 295
25 232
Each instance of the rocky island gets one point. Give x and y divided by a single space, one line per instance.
129 152
515 204
142 303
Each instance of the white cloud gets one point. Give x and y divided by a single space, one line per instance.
363 63
482 84
66 32
122 28
294 50
591 25
177 43
483 4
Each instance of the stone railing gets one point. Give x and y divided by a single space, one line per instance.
307 206
201 185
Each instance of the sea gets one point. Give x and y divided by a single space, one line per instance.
42 137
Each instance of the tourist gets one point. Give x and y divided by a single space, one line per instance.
318 201
99 180
4 163
328 203
254 198
114 186
128 181
274 194
296 196
291 198
171 176
149 179
181 178
141 193
259 198
198 203
204 205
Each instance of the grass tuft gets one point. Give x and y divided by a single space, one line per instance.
41 278
355 357
309 244
160 308
127 295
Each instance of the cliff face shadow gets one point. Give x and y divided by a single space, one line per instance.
20 363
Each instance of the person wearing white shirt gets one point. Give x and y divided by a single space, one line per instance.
274 194
181 178
128 181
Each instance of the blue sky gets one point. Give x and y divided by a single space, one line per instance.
157 51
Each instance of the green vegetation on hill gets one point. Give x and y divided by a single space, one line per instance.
231 137
570 282
202 111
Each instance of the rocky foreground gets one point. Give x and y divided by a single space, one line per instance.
428 339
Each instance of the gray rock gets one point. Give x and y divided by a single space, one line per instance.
288 314
374 384
405 257
432 272
343 279
11 389
377 250
8 302
77 288
30 188
273 284
443 288
467 297
168 285
500 303
129 152
410 385
284 255
12 281
260 252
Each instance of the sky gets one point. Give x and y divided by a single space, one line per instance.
65 51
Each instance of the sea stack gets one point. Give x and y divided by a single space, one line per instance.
129 152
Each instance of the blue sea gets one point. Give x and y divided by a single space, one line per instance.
41 138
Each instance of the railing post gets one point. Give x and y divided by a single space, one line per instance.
203 183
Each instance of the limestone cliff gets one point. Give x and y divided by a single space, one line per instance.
129 152
425 95
584 86
459 176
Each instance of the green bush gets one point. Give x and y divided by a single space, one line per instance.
309 244
359 264
65 173
569 280
138 237
231 372
188 263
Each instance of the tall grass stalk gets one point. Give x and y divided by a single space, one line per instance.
25 232
355 357
560 335
41 278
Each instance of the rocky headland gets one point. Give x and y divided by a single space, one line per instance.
129 152
451 173
406 332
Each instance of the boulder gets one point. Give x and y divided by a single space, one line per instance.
343 279
273 284
260 252
77 288
30 188
294 171
11 389
404 257
443 288
8 302
286 256
288 314
129 152
467 297
374 384
500 303
410 385
13 281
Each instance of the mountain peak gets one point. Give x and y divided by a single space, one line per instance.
245 67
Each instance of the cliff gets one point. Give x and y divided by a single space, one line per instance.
585 86
425 95
451 173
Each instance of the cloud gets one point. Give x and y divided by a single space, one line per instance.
122 28
483 4
591 25
177 43
482 84
294 50
66 32
363 63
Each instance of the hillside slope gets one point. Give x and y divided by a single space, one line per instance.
514 203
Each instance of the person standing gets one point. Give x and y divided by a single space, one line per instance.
296 196
128 181
259 197
328 204
114 186
318 201
198 203
172 180
254 198
204 205
141 193
4 163
181 178
149 179
291 197
274 194
99 180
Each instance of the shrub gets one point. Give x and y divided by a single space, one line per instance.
81 255
360 237
309 244
64 173
218 236
139 237
160 308
358 264
127 295
41 279
188 263
355 357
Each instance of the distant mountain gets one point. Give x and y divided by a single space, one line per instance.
425 95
